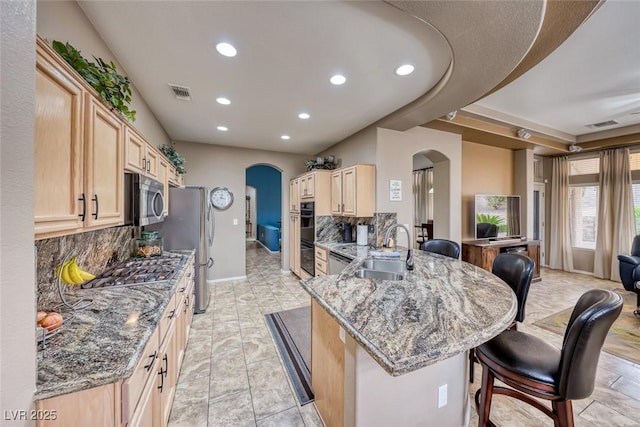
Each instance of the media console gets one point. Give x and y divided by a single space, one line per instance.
482 252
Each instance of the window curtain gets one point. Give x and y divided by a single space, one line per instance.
422 184
513 216
616 222
560 253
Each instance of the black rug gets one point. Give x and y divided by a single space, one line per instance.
291 330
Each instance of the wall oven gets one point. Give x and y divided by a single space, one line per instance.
143 200
307 237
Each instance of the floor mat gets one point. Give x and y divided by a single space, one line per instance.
291 331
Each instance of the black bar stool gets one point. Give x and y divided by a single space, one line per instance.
443 247
517 271
531 367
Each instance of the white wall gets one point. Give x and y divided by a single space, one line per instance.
394 160
219 166
17 287
358 148
65 21
523 183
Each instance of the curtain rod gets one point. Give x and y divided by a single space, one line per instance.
423 169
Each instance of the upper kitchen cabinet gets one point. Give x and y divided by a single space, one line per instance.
58 147
294 195
103 178
316 186
353 191
78 153
140 156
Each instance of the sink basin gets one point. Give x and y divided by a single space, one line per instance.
365 273
392 265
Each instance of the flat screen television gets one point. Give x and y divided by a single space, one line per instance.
497 216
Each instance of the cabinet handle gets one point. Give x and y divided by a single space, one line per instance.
144 163
338 207
182 289
148 165
186 304
84 207
343 207
173 312
163 372
153 358
165 359
95 199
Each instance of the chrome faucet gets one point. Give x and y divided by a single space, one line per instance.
387 237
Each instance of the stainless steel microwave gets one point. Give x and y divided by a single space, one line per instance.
143 200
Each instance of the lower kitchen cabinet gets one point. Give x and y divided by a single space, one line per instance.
146 397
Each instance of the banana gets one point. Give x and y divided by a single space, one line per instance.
85 275
74 272
62 271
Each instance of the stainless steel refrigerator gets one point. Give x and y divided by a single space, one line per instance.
190 225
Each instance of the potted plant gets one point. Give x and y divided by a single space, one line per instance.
113 88
174 157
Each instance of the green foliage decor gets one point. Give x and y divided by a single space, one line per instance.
169 150
489 219
113 88
497 202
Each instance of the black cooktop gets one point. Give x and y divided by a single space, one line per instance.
137 271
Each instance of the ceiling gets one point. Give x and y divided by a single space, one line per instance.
287 51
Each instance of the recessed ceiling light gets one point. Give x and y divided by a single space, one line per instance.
285 137
304 116
404 70
338 79
223 101
226 49
222 128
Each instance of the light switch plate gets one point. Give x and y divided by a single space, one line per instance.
235 221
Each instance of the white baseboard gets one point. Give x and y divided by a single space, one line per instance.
226 279
273 252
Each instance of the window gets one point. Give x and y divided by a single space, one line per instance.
583 205
584 166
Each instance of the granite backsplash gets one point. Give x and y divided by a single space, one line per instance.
93 250
328 227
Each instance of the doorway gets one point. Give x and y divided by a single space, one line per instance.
250 216
263 206
538 219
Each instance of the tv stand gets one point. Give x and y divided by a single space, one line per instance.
482 252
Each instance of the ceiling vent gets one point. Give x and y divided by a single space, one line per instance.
181 92
603 124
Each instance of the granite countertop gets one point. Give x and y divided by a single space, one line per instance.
441 308
103 343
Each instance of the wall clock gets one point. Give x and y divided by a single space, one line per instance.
221 198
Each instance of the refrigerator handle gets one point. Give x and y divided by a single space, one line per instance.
209 263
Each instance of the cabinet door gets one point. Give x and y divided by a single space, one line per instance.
145 414
336 193
134 153
349 191
167 375
58 150
103 178
307 186
152 155
294 194
163 177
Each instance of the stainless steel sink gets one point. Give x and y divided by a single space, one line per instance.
392 265
366 273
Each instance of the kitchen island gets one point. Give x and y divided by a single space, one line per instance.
405 349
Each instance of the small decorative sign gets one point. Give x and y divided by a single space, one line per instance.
395 190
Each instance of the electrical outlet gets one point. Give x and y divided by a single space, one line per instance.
372 228
442 396
235 221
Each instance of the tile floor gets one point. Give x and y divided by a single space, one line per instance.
232 374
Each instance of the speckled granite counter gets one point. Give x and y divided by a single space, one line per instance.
103 343
441 308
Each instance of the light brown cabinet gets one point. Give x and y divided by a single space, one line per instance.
163 177
58 147
140 155
321 260
482 253
294 242
307 186
353 191
78 153
294 195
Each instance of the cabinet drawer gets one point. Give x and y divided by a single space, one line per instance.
321 266
133 386
321 254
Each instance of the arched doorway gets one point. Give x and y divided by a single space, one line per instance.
263 207
431 192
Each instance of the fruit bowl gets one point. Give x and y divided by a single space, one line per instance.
50 325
